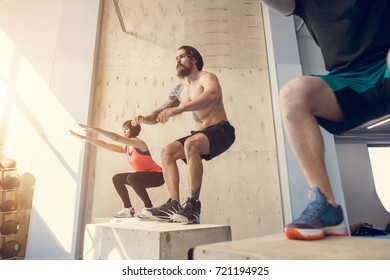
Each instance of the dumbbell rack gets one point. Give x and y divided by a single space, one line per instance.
3 215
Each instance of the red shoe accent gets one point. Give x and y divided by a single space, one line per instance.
132 211
293 233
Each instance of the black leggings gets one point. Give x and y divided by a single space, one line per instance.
139 181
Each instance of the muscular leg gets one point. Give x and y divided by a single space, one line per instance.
301 100
194 147
169 155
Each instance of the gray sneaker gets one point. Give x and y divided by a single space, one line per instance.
144 214
190 214
165 211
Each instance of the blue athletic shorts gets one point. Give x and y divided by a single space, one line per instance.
363 95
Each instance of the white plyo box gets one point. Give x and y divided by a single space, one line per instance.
134 239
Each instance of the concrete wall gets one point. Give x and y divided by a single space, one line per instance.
46 75
135 74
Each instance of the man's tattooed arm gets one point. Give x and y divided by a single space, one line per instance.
173 101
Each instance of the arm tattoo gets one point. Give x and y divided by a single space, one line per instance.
173 100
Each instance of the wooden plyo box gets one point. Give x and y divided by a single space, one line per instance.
278 247
134 239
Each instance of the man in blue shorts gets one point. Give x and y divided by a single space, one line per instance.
201 94
354 37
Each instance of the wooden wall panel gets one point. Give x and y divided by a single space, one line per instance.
230 33
148 23
135 74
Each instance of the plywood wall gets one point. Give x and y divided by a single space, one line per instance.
136 71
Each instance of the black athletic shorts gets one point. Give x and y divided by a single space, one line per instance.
363 95
221 136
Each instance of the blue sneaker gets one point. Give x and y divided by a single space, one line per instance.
318 220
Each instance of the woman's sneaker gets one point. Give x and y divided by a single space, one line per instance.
165 211
145 213
125 213
190 214
318 220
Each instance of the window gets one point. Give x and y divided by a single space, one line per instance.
380 165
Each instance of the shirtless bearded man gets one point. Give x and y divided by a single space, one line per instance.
201 94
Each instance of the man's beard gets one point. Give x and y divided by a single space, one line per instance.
182 72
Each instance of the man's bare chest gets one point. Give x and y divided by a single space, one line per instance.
191 92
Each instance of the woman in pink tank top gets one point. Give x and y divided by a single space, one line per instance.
148 174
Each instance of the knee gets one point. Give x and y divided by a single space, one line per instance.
294 95
191 146
167 153
289 92
130 180
116 178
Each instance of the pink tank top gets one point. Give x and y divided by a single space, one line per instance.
141 161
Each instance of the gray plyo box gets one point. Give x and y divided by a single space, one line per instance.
133 239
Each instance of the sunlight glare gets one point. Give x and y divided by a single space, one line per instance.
2 97
39 140
6 54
